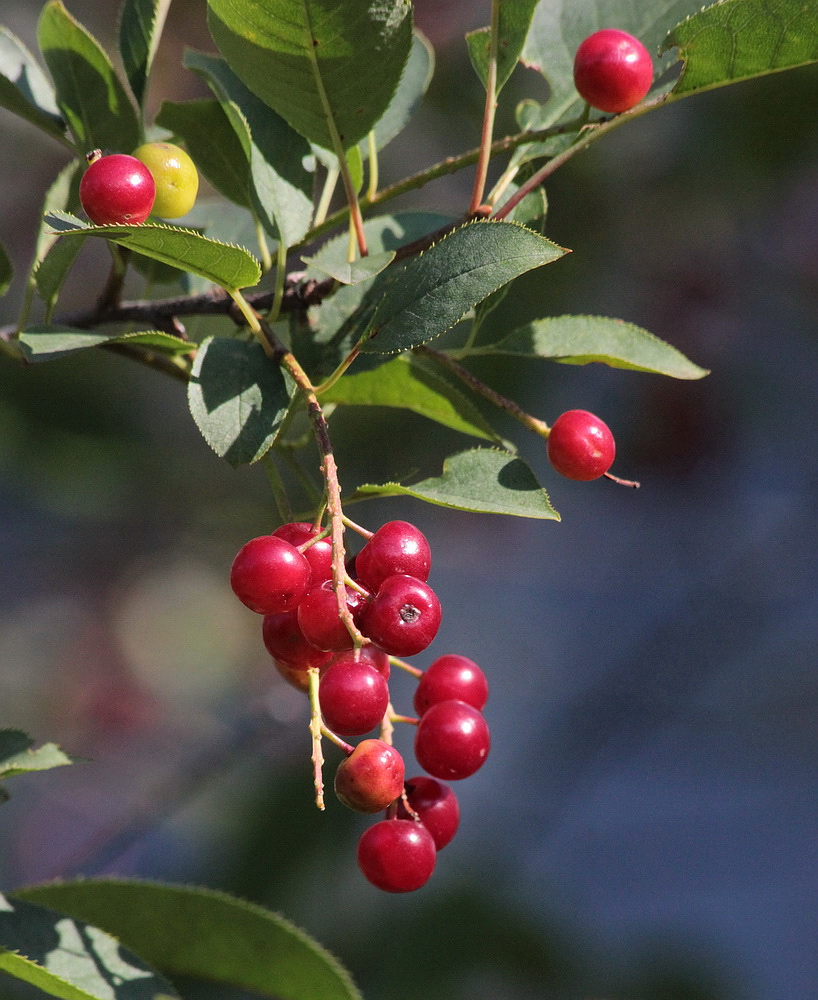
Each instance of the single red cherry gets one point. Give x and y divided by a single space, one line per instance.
269 575
580 445
318 555
117 190
613 70
353 696
371 777
285 642
319 620
436 806
397 855
403 617
452 677
452 740
396 547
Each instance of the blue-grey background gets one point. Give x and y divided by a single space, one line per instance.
646 823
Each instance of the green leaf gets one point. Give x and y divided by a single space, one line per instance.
238 398
70 959
53 269
411 384
739 39
515 20
425 296
25 89
6 270
212 143
483 480
89 93
46 342
281 186
140 28
229 266
325 67
17 757
579 340
351 272
207 935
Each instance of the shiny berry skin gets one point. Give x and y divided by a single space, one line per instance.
436 806
318 555
372 655
117 190
175 175
397 855
580 445
285 642
613 70
452 740
396 547
319 619
403 616
371 777
269 575
353 696
452 677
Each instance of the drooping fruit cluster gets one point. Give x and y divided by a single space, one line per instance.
613 70
287 577
580 445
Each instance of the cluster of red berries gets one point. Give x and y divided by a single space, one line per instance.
287 576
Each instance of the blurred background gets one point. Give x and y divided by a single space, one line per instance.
647 822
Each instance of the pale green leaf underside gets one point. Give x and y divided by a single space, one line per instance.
186 931
483 480
739 39
140 28
514 22
45 343
17 757
579 340
352 272
24 87
70 959
230 267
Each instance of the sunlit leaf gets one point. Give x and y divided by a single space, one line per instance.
140 28
514 22
25 89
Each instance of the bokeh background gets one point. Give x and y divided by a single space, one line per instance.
647 822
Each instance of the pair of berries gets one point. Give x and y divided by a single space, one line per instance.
120 189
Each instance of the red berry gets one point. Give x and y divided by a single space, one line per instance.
285 642
452 740
612 70
452 677
353 696
297 677
580 445
371 777
269 575
319 620
318 555
397 855
403 617
372 655
117 190
396 547
436 806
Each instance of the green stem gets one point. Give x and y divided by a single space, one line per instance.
263 247
315 733
330 182
372 187
488 112
281 276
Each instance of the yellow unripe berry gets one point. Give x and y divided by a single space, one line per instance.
176 177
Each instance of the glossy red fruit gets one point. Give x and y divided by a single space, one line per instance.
372 655
403 616
319 620
371 777
613 70
285 642
396 547
269 575
318 555
353 696
580 445
397 855
452 677
452 740
117 190
436 805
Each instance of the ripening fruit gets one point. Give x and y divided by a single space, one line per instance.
580 445
612 70
176 177
117 190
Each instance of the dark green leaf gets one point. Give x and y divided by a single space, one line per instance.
140 28
579 340
62 196
47 342
411 384
281 186
6 270
212 143
515 19
25 89
483 480
228 266
425 296
238 398
739 39
53 270
208 935
17 757
89 93
323 66
70 959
